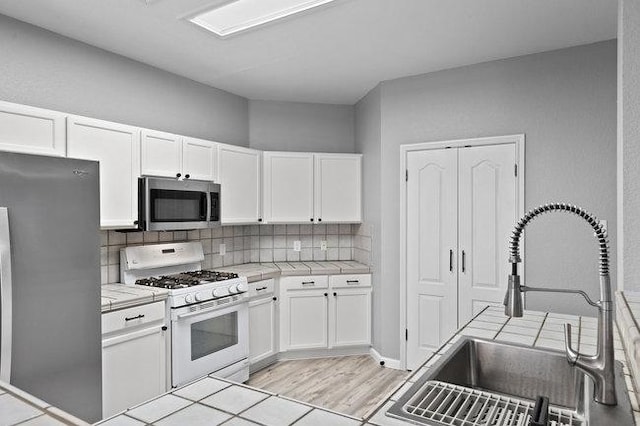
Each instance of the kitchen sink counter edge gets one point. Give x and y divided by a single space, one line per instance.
119 296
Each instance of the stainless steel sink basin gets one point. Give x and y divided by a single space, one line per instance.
487 382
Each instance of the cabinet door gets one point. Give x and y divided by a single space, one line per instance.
262 329
239 176
31 130
288 187
303 320
488 210
338 188
117 148
350 317
161 154
198 159
133 369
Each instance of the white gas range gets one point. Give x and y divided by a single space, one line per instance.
208 309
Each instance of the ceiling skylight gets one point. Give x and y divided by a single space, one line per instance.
241 15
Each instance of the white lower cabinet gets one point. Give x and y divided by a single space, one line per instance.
350 319
134 361
262 328
321 312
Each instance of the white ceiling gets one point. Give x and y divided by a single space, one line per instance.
334 54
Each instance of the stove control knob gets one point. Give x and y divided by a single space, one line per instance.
200 297
188 298
218 292
233 289
242 287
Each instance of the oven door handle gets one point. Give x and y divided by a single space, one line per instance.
208 310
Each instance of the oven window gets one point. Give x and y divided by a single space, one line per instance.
213 335
178 206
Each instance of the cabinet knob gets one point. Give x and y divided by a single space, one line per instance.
335 294
319 220
326 294
275 298
164 328
187 176
259 219
178 175
311 219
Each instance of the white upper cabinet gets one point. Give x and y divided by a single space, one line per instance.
172 156
312 188
117 148
239 178
199 159
161 154
338 188
31 130
288 187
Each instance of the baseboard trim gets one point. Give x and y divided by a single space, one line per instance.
322 353
388 362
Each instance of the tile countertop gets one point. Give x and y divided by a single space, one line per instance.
215 401
119 296
263 271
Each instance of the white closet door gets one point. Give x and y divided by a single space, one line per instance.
431 247
487 213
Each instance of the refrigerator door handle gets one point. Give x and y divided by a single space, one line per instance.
5 297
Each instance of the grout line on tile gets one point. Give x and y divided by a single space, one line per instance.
540 329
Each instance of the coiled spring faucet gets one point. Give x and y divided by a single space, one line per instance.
599 367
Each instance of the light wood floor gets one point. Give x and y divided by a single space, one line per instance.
352 384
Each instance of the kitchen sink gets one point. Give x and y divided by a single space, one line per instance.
485 382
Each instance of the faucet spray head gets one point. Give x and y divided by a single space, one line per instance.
513 298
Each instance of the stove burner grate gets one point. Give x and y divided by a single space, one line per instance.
186 279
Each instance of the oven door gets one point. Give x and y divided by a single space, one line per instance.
207 340
169 204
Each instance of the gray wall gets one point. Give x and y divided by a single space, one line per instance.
47 70
368 142
629 142
296 126
565 103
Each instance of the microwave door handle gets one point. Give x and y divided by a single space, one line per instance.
5 297
208 207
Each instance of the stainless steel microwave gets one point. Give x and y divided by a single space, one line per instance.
170 204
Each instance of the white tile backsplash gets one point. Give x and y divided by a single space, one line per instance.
250 243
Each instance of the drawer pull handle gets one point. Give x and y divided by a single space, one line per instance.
351 282
308 283
261 288
134 318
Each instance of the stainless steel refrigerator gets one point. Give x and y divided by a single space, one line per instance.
50 332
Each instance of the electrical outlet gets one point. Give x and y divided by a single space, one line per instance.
297 245
223 249
323 245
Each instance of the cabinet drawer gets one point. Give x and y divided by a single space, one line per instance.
349 281
260 288
132 317
306 282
